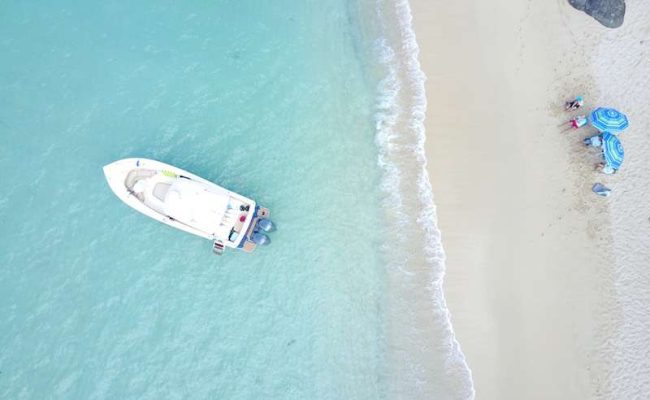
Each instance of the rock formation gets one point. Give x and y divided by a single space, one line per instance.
608 12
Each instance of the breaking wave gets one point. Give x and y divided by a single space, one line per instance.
426 359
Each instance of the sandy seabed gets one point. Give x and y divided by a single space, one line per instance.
547 283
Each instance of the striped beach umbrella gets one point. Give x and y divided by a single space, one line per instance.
608 120
612 150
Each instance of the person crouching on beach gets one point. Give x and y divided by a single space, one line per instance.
593 141
578 122
574 104
605 168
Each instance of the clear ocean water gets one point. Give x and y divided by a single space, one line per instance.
312 108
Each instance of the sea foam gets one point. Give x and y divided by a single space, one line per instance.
428 358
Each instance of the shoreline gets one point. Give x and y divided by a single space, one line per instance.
423 358
530 282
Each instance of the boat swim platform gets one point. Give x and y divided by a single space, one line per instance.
262 213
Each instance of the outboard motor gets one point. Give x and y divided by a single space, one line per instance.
260 239
265 225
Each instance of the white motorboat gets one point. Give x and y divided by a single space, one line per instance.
190 203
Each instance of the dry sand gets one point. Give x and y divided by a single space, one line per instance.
535 271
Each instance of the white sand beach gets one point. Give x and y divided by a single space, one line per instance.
546 282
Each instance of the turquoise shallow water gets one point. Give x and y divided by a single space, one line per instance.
100 302
275 101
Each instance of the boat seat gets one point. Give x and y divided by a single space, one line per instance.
160 190
136 175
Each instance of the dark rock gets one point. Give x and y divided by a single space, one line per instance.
578 4
608 12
